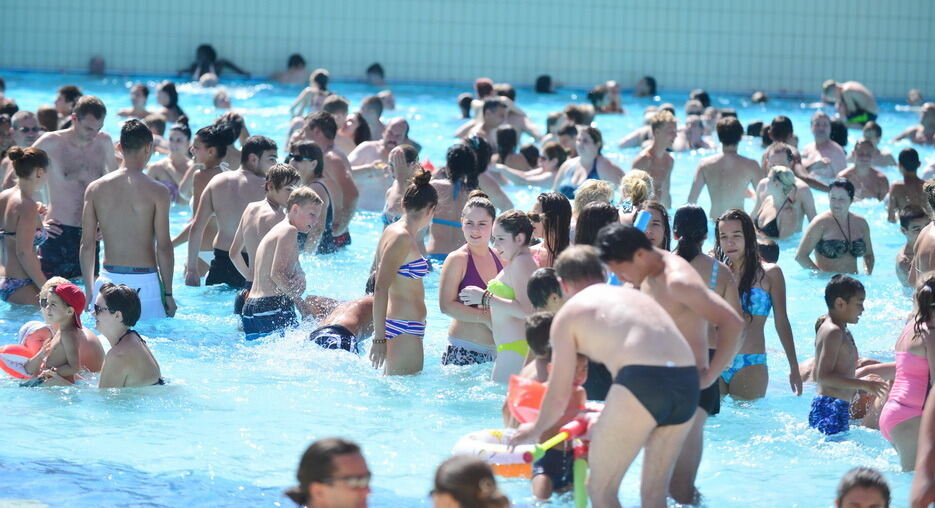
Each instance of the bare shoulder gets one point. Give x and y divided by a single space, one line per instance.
773 273
49 140
104 138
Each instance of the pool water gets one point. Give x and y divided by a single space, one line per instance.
229 428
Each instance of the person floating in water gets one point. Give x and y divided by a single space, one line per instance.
836 357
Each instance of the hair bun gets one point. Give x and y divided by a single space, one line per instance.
182 120
477 193
421 177
15 153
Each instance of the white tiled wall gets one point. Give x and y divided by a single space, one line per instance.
730 45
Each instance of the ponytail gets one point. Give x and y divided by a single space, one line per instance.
924 299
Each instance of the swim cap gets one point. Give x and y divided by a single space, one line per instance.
73 297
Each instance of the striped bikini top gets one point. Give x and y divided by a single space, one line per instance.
415 269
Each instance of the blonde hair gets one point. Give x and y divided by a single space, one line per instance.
303 196
784 176
590 191
49 284
660 119
637 186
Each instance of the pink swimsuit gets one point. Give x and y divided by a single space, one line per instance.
909 390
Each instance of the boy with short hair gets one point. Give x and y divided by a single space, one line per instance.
836 357
544 290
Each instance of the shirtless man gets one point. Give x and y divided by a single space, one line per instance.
278 280
65 102
678 288
321 128
690 137
912 220
345 326
226 196
852 100
132 212
78 155
868 182
823 158
369 152
26 131
643 347
907 191
727 175
138 96
258 218
924 133
881 158
493 114
655 158
371 108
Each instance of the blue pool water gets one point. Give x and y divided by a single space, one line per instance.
231 425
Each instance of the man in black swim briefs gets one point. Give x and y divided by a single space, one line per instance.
655 391
346 326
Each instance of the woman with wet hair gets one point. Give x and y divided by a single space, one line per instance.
837 237
168 98
552 220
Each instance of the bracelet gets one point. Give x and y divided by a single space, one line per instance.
485 300
167 294
379 341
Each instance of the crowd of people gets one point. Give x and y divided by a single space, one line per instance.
584 293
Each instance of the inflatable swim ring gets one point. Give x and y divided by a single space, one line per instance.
492 446
524 398
13 360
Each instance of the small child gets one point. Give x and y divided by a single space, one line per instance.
836 357
62 306
544 290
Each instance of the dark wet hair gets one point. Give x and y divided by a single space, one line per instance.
324 121
376 68
157 123
651 84
362 132
555 213
373 103
700 96
874 127
553 150
461 162
843 183
580 263
863 477
909 159
47 117
844 287
234 120
218 137
317 465
530 152
27 160
538 327
593 217
597 95
482 152
256 145
295 60
568 130
123 298
544 84
335 104
492 105
464 104
507 139
8 107
838 132
619 242
595 134
479 199
420 194
910 213
542 284
70 93
309 150
483 87
551 119
768 250
752 269
576 114
169 88
470 481
780 128
141 88
282 175
661 209
690 225
90 105
515 223
181 125
729 131
134 135
505 90
321 78
207 51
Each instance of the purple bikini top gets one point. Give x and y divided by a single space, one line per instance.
471 277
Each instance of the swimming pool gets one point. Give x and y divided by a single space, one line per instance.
231 425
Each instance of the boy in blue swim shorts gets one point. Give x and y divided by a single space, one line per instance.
836 357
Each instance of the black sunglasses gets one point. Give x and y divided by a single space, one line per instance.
29 129
354 482
298 158
43 302
98 309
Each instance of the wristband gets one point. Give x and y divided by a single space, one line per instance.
379 341
167 294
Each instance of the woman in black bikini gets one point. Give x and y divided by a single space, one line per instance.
783 200
838 237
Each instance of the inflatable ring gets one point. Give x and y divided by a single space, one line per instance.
13 360
493 447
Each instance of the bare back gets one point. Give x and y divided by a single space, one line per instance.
125 206
727 177
258 219
230 193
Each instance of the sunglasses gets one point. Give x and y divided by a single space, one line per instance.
298 158
24 130
98 309
353 482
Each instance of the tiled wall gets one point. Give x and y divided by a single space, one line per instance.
730 45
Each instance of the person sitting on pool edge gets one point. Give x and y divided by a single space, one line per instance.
863 487
333 473
836 357
278 280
